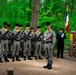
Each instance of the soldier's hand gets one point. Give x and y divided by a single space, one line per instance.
52 47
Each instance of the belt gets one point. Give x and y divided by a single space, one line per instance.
48 42
38 40
4 39
17 40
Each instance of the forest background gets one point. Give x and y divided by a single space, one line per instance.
20 11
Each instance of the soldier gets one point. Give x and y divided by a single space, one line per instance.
4 41
60 43
32 42
9 41
49 39
38 44
1 51
16 43
21 41
27 42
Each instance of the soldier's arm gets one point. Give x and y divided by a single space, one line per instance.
22 35
35 35
0 31
54 38
44 36
12 34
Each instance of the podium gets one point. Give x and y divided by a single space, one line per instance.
72 50
9 71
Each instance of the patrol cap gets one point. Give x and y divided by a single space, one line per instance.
61 29
16 24
32 28
28 25
8 25
20 25
38 27
47 23
4 23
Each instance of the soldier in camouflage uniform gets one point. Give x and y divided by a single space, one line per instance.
21 41
49 39
16 43
27 42
32 42
9 41
4 42
38 44
1 51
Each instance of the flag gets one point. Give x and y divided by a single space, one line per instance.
67 20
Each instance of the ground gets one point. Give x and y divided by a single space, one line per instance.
35 67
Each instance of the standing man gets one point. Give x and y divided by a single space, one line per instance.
9 41
4 41
27 42
1 51
32 42
38 36
21 41
49 39
16 43
60 43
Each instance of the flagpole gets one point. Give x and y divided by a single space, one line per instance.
66 8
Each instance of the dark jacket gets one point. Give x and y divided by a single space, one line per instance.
60 38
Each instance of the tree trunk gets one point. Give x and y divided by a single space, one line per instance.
35 11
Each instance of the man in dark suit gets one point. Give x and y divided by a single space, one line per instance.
60 43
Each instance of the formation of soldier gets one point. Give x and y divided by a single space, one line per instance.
28 42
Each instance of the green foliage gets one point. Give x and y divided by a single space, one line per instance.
20 11
15 11
54 12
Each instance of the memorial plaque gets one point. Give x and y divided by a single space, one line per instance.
72 51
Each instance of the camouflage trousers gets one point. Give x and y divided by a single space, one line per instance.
1 51
16 48
27 48
4 47
48 53
38 48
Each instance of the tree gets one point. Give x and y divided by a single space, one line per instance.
35 11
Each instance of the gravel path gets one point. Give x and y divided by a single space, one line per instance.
35 67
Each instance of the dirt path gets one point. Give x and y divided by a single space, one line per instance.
35 67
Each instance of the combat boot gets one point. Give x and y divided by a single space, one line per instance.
1 60
35 57
46 66
13 59
6 59
40 57
24 58
49 66
17 58
29 58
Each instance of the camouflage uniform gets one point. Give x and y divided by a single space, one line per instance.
32 43
49 39
9 44
1 51
4 43
27 44
16 45
21 43
38 45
